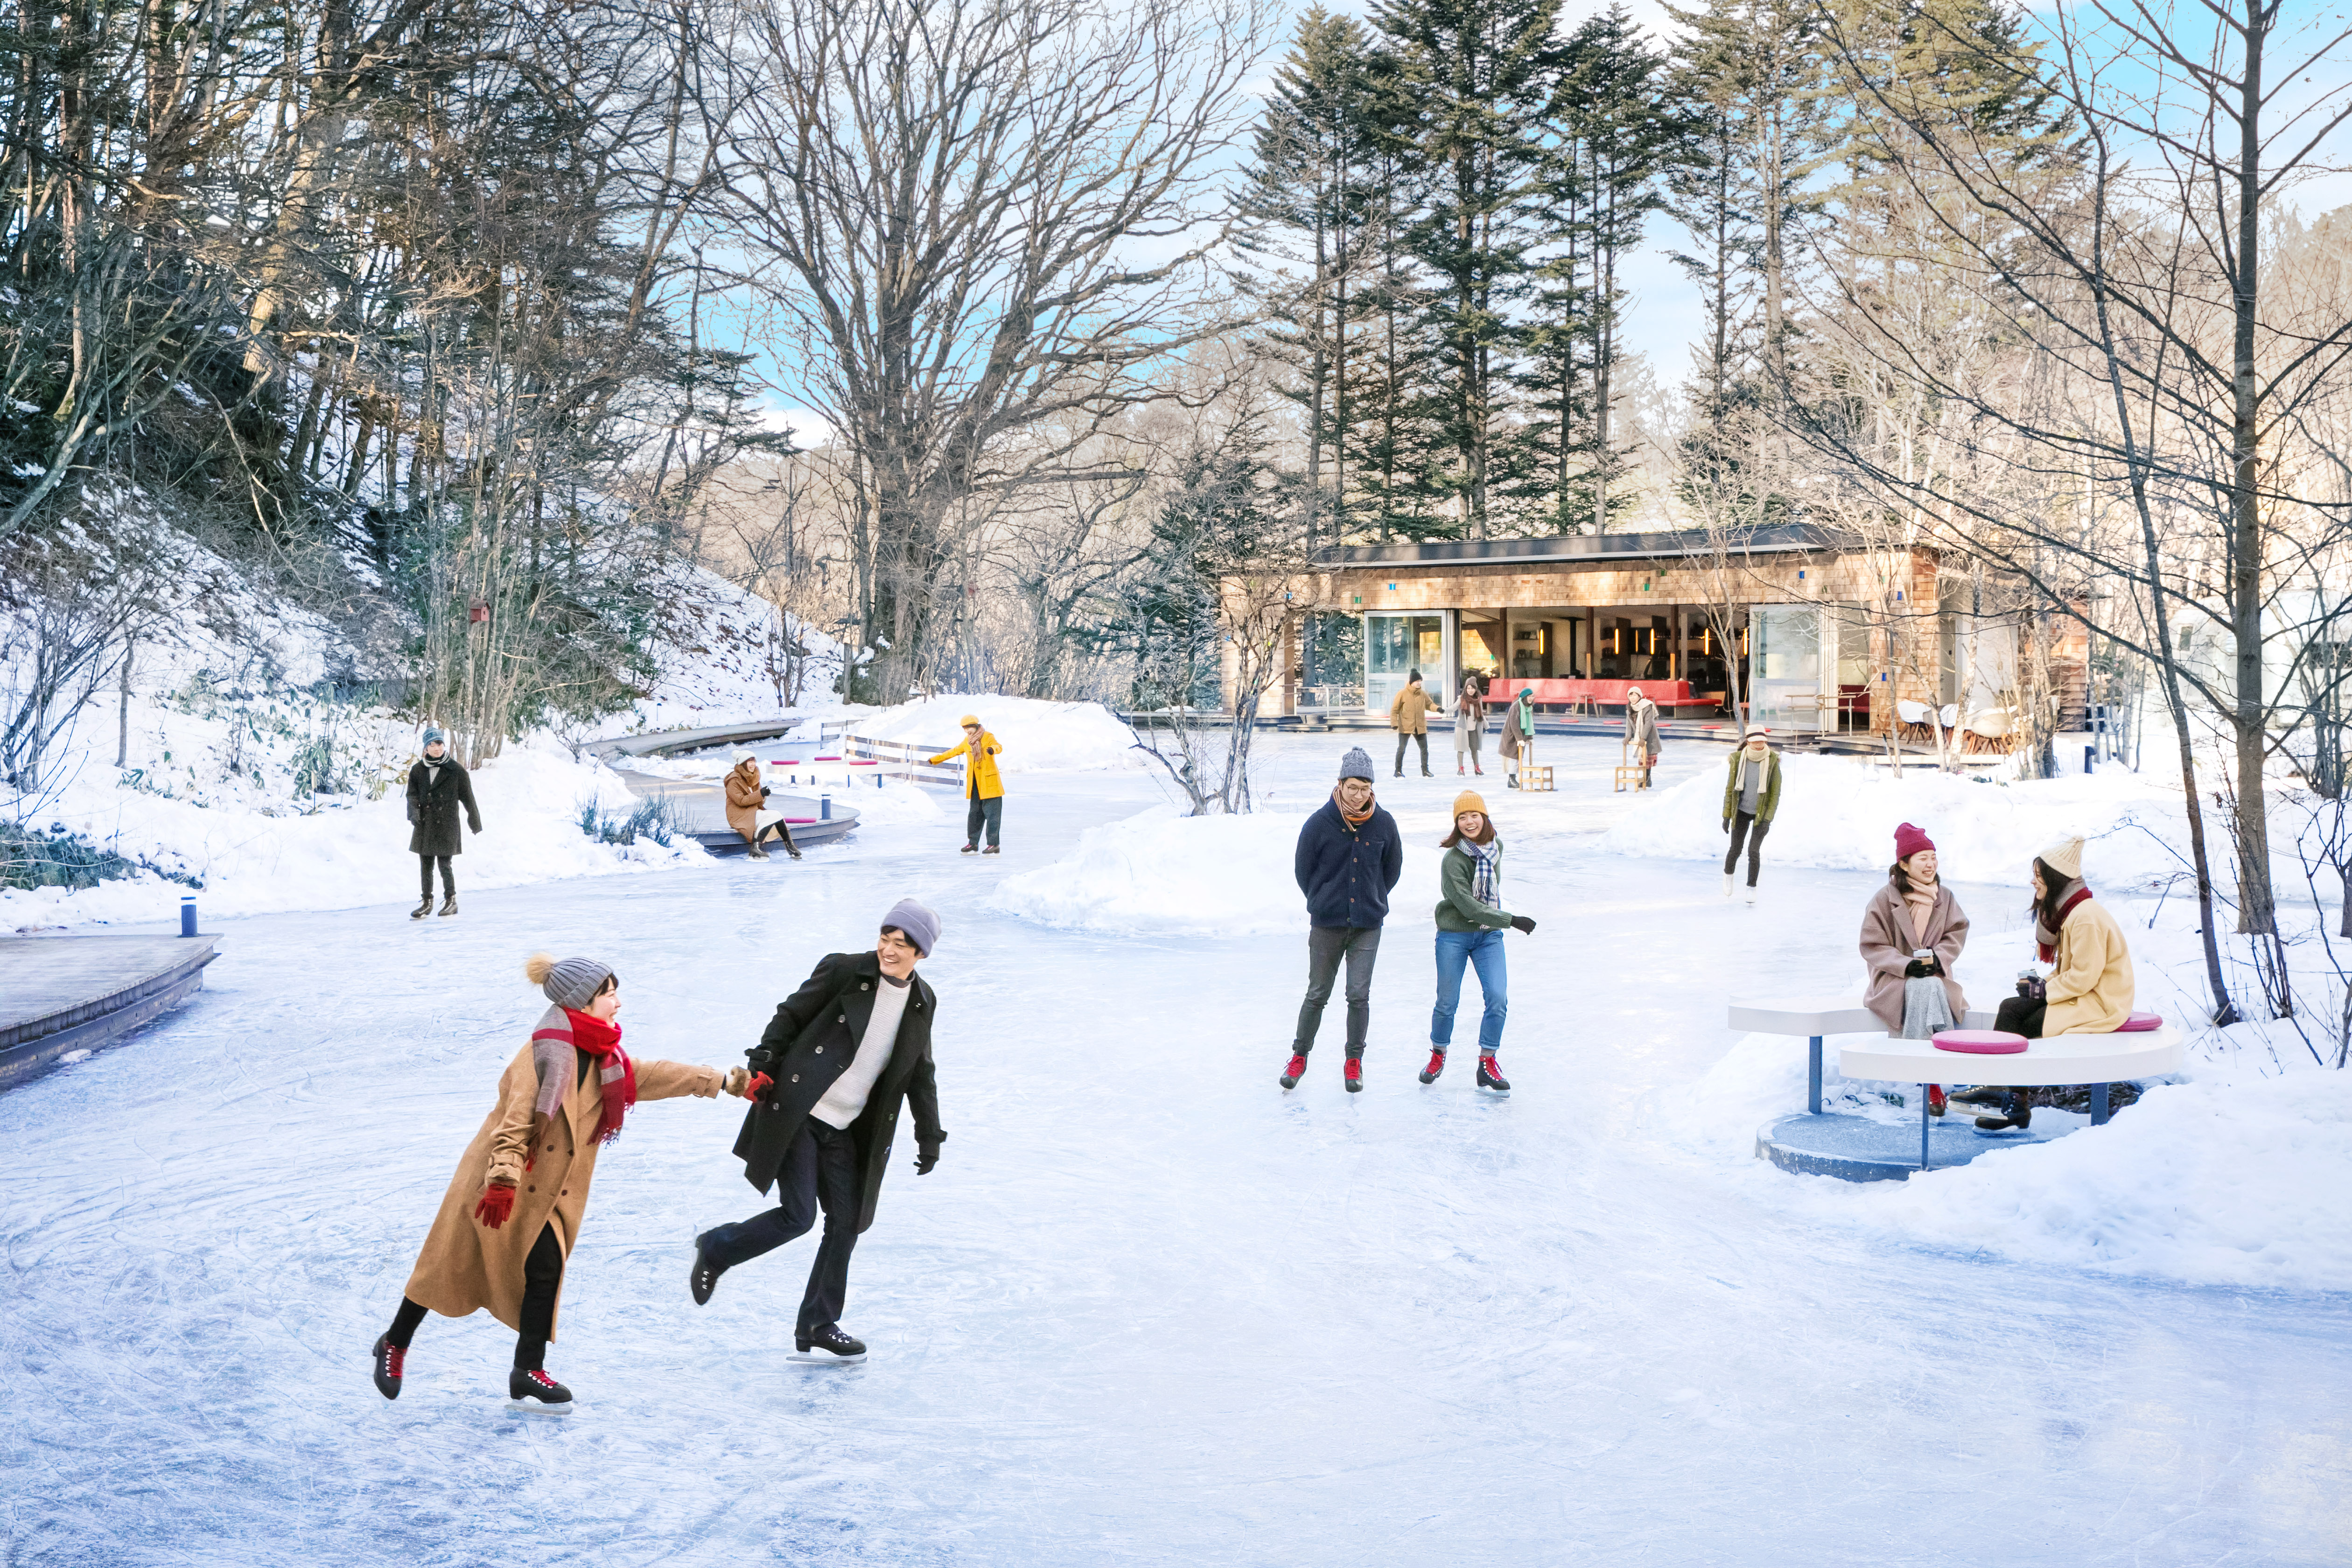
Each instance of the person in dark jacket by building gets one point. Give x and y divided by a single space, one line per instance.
437 786
1350 856
829 1076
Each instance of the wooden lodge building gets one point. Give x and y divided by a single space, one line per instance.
1825 632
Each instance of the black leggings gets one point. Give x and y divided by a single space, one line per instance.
424 874
1752 831
542 1277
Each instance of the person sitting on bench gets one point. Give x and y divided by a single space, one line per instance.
1912 934
2089 990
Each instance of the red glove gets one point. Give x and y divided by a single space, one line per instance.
497 1203
760 1083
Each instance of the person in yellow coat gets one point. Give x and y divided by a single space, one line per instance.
2090 987
982 784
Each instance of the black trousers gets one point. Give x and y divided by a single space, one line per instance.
820 1171
989 813
2020 1016
1326 945
1402 739
424 874
1746 829
542 1280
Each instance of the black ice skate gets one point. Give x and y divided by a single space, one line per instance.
388 1372
837 1345
704 1280
1491 1077
1436 1065
450 908
1296 1071
535 1390
421 911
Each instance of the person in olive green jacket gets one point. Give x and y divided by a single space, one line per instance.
1752 794
1471 921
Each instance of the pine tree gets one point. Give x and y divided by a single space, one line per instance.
1472 79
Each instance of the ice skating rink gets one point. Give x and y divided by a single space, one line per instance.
1150 1309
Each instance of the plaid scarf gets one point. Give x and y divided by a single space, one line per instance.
1486 870
1353 819
559 1034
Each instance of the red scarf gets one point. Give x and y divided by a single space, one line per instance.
2048 948
603 1041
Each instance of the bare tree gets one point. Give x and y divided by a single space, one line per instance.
973 219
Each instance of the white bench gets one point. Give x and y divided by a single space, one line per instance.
1812 1017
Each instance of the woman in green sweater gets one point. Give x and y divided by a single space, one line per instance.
1471 921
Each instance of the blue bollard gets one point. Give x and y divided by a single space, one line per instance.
2086 757
187 914
824 808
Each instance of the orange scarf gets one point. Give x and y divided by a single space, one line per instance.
1354 819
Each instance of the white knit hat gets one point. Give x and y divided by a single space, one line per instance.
2065 858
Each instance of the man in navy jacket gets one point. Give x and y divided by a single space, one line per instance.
1350 856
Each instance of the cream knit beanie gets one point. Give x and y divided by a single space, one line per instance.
2065 858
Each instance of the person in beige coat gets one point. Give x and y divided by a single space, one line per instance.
1409 717
1913 931
514 1207
746 798
2090 987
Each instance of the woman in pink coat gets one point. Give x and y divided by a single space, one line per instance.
1912 934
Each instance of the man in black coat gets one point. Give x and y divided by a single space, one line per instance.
437 786
829 1075
1350 856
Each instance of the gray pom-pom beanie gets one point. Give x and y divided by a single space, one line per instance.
574 982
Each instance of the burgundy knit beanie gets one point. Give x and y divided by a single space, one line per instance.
1909 841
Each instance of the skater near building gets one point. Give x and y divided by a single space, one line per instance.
1409 717
437 786
1471 921
983 785
2088 991
1349 855
513 1210
1912 934
746 798
1752 794
1469 721
1642 731
829 1076
1518 745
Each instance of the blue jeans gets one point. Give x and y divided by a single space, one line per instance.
1484 949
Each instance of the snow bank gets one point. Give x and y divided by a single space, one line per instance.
2219 1181
1163 874
1840 814
254 856
1037 737
721 652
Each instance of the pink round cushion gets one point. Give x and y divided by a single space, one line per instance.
2141 1022
1980 1042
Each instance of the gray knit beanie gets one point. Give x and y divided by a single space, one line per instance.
916 923
570 982
1356 764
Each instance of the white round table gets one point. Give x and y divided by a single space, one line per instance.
2095 1059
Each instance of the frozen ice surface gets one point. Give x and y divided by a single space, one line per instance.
1148 1308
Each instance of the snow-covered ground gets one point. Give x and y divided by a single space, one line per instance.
1150 1309
1037 737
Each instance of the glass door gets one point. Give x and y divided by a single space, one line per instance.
1395 644
1786 664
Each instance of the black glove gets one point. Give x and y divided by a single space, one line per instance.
927 1153
1726 824
763 795
1918 969
1522 923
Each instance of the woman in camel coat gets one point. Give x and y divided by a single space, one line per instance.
514 1208
746 795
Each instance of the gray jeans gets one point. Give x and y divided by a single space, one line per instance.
1326 945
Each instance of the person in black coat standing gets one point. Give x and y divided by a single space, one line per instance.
1350 856
437 786
828 1078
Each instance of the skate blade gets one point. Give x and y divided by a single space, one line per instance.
527 1408
824 1358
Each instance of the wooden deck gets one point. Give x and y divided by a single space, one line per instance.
65 994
